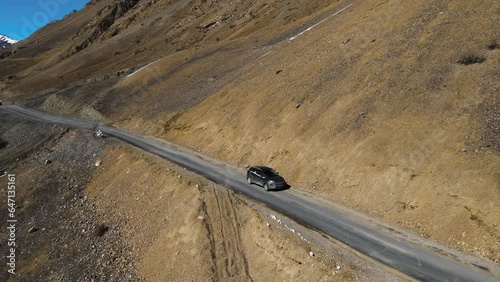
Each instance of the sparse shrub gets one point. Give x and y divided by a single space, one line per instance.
101 229
493 46
471 59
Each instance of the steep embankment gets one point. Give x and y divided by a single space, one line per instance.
181 227
390 107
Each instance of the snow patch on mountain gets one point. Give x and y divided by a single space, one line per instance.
6 41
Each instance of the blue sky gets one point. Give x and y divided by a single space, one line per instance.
20 18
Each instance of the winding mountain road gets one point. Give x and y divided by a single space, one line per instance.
418 262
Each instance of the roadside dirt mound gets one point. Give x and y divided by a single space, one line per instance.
59 103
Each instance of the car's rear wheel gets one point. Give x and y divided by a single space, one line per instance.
266 187
249 180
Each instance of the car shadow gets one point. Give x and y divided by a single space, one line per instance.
286 187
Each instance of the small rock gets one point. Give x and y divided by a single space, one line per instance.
346 40
298 105
101 229
47 162
337 267
311 254
278 71
201 217
98 163
98 133
247 166
32 230
464 149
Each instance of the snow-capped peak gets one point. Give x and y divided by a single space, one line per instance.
6 41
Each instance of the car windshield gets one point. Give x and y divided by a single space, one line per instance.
269 172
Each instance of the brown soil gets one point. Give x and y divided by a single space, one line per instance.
185 228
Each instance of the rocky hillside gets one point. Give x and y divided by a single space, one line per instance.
390 107
119 34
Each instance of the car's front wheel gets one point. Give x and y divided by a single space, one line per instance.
266 187
249 180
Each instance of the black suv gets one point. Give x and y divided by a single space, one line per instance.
266 177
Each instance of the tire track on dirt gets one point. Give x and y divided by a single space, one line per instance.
211 239
229 262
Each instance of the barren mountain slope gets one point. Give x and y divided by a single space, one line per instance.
113 35
390 107
44 47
